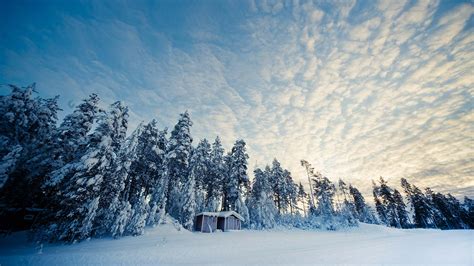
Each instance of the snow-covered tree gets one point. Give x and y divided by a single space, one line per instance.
8 162
347 207
27 125
277 180
449 212
177 155
262 208
422 207
159 184
200 169
290 196
188 203
302 197
237 183
112 184
402 214
364 212
324 191
390 205
469 212
379 206
71 136
139 214
213 182
83 190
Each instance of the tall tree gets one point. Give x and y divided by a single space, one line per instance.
71 136
402 214
158 185
422 208
379 206
324 191
261 205
177 155
27 126
364 212
238 182
302 197
277 180
200 169
214 180
82 190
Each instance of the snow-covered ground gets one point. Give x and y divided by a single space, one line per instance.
367 244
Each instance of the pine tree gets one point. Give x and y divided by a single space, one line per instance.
120 213
159 184
291 192
402 214
214 181
200 168
379 206
72 133
277 180
139 213
437 207
422 209
390 205
238 181
177 155
188 203
8 163
324 191
302 197
27 125
347 208
468 212
261 205
84 187
364 212
112 184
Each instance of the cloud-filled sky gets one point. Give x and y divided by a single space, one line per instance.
360 89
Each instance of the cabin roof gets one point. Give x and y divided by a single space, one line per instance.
224 214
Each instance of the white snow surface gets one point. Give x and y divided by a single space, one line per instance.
166 245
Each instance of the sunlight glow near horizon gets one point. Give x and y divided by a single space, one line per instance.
360 89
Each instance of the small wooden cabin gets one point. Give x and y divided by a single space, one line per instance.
208 222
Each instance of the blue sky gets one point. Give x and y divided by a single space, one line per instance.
358 88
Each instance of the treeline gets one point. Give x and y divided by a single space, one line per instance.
91 180
430 209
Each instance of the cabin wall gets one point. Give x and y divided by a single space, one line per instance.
209 224
198 223
221 223
232 223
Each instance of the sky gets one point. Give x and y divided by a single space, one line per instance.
360 89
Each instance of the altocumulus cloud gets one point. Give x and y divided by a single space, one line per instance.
358 88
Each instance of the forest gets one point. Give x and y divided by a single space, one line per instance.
90 179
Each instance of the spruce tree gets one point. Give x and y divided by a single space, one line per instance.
422 209
27 127
214 180
277 180
238 181
262 208
83 189
159 183
402 214
302 197
200 168
364 212
177 155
